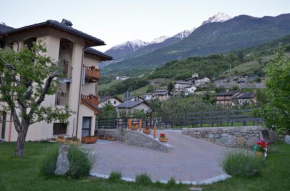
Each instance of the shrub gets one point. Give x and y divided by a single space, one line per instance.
143 179
48 162
241 164
115 176
80 160
171 182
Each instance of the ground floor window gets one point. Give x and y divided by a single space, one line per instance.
2 125
86 129
59 128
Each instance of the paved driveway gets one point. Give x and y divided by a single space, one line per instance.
191 160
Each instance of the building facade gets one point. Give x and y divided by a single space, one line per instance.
79 87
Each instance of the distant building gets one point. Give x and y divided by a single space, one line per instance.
109 100
122 78
132 106
202 81
225 98
148 96
161 95
190 90
246 97
134 98
182 84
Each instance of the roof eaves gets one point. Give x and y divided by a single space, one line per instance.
100 54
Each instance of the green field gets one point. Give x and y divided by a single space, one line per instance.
106 86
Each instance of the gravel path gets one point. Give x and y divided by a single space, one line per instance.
191 160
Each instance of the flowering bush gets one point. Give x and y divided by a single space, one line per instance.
147 128
261 145
134 124
162 135
60 136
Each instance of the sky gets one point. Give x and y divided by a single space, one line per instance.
117 21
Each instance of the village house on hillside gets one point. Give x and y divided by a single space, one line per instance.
161 95
78 88
122 78
103 100
134 98
132 106
233 98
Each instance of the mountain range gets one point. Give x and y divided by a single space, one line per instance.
136 48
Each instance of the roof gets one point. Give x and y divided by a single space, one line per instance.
182 82
134 97
91 106
105 98
226 93
57 25
246 95
131 104
104 57
4 28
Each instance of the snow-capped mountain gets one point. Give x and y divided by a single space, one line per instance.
219 17
184 34
134 45
159 39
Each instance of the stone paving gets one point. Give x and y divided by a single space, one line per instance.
191 159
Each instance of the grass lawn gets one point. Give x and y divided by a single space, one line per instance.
108 85
23 174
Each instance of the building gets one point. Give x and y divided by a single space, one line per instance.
134 98
245 97
78 88
182 84
109 100
122 78
202 81
132 106
148 96
190 90
225 98
161 95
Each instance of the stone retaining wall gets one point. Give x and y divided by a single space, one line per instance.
138 138
117 133
226 136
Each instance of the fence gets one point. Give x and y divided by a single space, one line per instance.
220 118
198 119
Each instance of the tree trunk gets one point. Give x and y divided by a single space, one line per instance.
19 147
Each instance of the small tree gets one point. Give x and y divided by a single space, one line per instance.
26 77
170 87
276 107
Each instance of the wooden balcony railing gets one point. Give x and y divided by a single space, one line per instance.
92 99
92 74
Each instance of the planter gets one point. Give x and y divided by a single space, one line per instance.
89 140
163 139
259 154
60 140
134 127
146 131
102 137
71 142
111 138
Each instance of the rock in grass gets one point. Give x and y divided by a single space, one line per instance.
287 139
62 163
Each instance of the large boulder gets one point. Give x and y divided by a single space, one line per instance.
62 163
287 139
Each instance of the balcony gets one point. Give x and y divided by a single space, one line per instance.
91 101
92 74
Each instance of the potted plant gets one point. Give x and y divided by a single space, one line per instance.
261 148
147 130
135 126
89 139
102 137
111 138
162 138
72 140
60 139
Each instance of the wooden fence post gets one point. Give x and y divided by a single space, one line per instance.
129 123
154 132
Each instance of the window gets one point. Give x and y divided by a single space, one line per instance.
109 101
59 128
3 125
115 102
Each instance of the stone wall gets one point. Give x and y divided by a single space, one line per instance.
226 136
119 134
138 138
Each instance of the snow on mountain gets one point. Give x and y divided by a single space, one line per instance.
219 17
159 39
134 45
184 34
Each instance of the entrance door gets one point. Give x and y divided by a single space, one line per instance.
86 130
3 125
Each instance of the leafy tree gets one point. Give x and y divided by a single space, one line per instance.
170 87
26 77
107 111
150 89
220 89
276 106
235 88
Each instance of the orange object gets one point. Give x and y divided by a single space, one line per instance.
140 124
129 123
155 131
